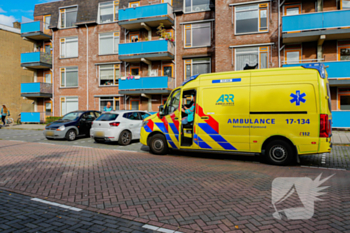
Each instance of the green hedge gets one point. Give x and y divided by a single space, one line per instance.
50 119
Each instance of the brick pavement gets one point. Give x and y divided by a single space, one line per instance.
18 213
175 192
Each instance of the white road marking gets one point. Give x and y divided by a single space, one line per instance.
323 158
56 204
159 229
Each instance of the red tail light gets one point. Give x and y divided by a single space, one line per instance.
114 124
325 126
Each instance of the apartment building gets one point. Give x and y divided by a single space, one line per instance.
115 51
12 75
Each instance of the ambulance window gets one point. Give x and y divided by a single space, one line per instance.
173 103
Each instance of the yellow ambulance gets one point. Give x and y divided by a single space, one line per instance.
279 113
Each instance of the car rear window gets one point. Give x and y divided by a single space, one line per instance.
107 117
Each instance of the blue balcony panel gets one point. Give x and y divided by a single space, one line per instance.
340 119
310 26
147 85
33 117
36 90
335 69
152 15
36 60
152 50
34 31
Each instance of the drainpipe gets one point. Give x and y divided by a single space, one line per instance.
87 67
53 72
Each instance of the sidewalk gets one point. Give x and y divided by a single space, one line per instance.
25 127
341 137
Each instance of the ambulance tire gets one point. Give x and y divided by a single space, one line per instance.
158 145
279 152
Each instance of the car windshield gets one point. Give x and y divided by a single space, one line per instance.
71 116
107 117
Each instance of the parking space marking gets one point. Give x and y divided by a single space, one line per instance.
159 229
56 204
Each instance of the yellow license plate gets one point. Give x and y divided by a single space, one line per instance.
99 134
49 133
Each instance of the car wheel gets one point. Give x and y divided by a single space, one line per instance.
279 152
99 140
49 138
158 145
71 135
124 138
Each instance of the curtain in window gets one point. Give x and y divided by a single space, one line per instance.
201 5
106 74
200 68
72 104
243 59
201 34
106 14
134 105
72 48
263 58
71 78
116 43
106 45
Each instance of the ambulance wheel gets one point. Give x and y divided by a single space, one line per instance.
279 152
158 145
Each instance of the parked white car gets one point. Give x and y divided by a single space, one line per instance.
121 126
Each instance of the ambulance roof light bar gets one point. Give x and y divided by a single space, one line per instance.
318 66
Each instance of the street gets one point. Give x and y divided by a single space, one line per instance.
177 192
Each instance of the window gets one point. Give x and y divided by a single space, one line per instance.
168 70
144 115
251 18
109 74
69 104
48 49
293 56
135 71
48 108
89 116
132 116
108 12
292 9
109 43
134 37
343 51
47 76
47 21
68 17
197 66
197 35
168 1
196 5
69 47
134 4
344 102
253 58
345 4
135 105
114 102
69 77
172 103
107 117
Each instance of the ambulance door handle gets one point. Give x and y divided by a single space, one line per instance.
176 118
205 117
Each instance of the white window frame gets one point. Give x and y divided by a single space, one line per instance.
259 55
63 42
64 10
112 99
65 101
115 35
193 11
199 62
115 66
196 25
114 4
258 9
65 76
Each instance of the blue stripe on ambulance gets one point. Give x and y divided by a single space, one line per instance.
148 129
216 137
175 131
165 131
202 144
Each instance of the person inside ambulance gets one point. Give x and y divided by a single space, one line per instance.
189 111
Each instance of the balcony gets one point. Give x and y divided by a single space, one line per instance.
151 15
35 31
147 85
338 71
36 60
340 119
33 117
36 90
156 50
309 27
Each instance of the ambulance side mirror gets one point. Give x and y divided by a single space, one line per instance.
161 109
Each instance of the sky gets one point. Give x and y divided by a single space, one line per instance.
11 11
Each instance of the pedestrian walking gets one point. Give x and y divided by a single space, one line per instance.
4 113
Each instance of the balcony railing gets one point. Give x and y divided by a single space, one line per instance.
154 50
37 60
35 30
34 117
316 21
335 69
146 12
147 83
340 119
36 89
